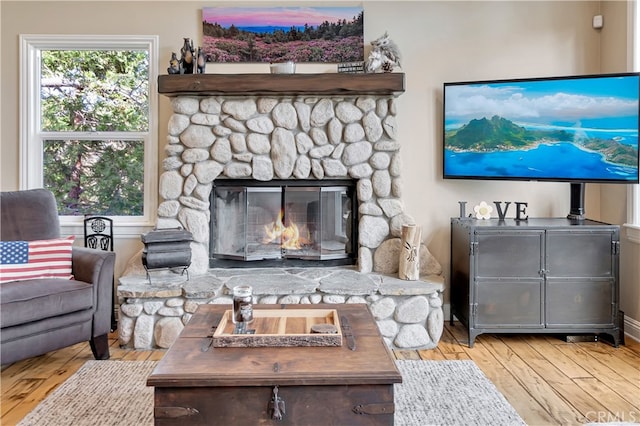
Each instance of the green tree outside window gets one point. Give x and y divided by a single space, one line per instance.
94 110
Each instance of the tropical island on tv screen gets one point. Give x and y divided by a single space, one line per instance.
575 129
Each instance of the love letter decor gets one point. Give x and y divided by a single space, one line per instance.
521 209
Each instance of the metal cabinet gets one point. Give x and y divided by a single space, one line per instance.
535 276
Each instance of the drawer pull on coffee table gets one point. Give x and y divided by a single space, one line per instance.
276 406
381 408
174 412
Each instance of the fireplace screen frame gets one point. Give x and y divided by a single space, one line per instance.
282 257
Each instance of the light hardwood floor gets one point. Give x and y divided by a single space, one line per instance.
547 380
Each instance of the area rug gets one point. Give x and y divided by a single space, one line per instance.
104 393
449 393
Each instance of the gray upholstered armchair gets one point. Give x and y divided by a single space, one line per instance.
44 314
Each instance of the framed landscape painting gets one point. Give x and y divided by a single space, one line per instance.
280 34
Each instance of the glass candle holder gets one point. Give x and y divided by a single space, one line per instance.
242 304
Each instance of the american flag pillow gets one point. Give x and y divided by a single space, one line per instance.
27 260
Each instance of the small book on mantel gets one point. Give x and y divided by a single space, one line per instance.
351 67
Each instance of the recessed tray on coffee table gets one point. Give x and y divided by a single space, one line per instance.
282 328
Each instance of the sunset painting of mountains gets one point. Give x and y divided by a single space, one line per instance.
281 34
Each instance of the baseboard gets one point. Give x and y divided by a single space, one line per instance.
446 308
631 328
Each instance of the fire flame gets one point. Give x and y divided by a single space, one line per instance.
291 237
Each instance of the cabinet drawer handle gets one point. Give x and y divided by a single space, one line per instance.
380 408
174 412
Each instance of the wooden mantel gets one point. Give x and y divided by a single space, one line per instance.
281 84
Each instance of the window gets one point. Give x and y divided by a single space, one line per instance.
633 225
88 124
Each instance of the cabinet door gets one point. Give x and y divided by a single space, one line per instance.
581 276
508 303
582 302
517 253
575 253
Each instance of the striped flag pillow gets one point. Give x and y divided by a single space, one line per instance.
27 260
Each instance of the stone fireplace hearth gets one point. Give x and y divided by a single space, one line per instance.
275 127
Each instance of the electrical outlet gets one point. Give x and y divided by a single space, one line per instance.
598 22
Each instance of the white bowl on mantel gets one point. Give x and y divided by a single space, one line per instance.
283 68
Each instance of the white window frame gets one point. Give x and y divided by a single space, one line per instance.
31 150
632 226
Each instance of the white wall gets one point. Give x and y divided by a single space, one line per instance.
613 207
440 41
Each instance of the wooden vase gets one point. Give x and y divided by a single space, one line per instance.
409 266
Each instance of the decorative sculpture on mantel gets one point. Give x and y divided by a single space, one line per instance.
384 55
174 64
201 61
187 59
189 63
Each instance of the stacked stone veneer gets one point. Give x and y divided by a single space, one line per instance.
408 313
284 137
265 138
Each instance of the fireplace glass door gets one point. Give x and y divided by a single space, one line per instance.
282 222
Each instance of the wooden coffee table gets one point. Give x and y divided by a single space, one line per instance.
197 383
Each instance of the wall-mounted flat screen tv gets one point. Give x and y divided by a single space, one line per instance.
568 129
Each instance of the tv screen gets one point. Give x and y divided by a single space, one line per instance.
566 129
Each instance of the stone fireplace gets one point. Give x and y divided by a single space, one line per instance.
303 128
297 136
